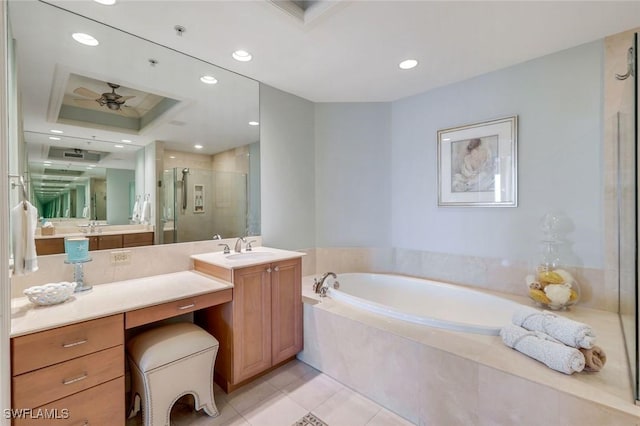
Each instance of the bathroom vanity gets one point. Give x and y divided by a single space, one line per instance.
261 328
70 359
54 244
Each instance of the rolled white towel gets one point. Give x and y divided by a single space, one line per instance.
543 348
569 332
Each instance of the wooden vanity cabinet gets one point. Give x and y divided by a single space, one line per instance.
97 242
261 327
74 373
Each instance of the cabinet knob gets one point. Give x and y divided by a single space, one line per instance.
276 269
269 270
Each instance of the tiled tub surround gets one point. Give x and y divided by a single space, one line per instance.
503 275
434 376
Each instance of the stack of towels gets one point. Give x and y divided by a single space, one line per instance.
560 343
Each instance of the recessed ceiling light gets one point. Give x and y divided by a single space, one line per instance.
106 2
172 156
241 55
208 79
408 64
56 131
126 141
119 146
85 39
54 138
253 123
198 146
89 168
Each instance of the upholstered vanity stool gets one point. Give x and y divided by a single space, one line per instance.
168 362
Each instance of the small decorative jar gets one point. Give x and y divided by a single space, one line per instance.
552 285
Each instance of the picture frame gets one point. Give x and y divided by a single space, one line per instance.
477 164
198 198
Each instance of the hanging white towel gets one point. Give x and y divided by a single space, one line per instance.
135 214
569 332
543 348
85 212
23 232
145 216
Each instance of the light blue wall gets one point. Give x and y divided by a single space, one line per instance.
364 174
287 170
118 207
353 149
558 99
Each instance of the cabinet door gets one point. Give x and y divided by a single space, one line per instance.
286 309
251 321
106 242
49 246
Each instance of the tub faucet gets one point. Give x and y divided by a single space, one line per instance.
321 287
238 247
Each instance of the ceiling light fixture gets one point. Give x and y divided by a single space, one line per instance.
54 138
241 55
126 141
85 39
56 131
254 123
198 146
208 79
106 2
408 64
172 156
119 146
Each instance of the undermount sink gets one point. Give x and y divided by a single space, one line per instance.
253 255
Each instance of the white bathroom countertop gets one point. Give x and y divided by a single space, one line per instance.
257 256
111 298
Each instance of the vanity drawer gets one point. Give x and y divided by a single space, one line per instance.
175 308
99 405
49 347
137 239
49 384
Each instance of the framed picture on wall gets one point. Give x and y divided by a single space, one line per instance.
477 164
198 198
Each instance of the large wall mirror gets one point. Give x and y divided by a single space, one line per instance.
103 128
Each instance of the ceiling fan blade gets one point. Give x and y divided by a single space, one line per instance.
125 98
85 102
82 91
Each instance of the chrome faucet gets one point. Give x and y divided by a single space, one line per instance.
238 246
321 287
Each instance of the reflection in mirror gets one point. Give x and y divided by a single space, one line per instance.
109 126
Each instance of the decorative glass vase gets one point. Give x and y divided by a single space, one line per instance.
552 285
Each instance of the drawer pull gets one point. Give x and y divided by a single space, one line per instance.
186 307
70 345
276 269
269 270
75 379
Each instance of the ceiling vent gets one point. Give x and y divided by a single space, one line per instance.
63 172
75 154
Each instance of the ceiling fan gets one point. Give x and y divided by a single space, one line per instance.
112 100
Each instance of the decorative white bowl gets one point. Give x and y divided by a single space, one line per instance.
50 294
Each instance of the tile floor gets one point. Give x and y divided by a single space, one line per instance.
285 397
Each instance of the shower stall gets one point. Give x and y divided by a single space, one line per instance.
197 204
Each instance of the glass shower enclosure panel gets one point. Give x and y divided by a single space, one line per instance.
208 203
627 197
